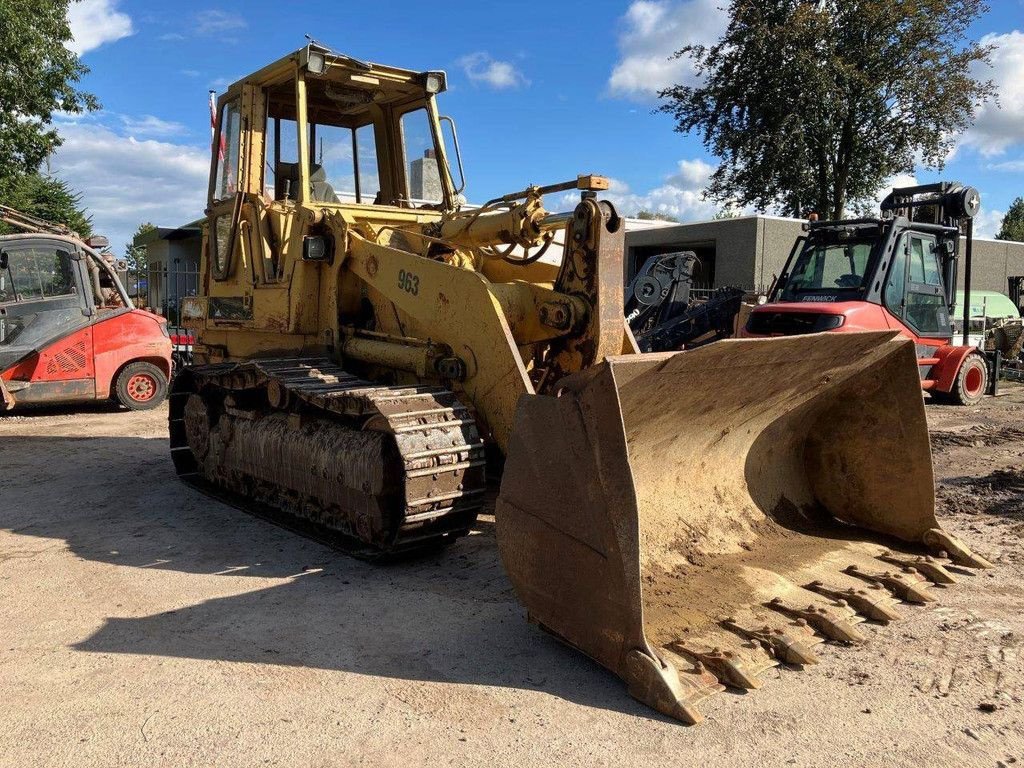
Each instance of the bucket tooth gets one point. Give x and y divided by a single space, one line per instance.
782 645
941 543
724 664
823 620
872 604
928 566
908 585
658 685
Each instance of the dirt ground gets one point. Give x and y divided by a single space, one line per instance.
142 623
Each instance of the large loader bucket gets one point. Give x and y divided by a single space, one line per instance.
690 519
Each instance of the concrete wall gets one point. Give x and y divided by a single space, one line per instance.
734 242
993 262
775 242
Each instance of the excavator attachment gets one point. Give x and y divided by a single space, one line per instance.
691 519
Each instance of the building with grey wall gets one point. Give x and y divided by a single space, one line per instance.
750 251
172 273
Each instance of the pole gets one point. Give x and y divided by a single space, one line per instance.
968 252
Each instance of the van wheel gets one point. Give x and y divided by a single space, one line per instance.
140 386
971 381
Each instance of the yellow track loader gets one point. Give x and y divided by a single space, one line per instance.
368 345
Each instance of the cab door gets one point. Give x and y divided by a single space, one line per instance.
225 198
925 307
915 297
45 299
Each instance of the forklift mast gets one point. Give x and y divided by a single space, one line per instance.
949 206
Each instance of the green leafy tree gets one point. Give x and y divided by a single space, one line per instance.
134 253
48 198
1013 222
38 77
813 105
654 216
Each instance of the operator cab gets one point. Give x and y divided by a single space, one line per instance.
325 126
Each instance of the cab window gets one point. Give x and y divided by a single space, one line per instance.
422 171
895 286
37 273
282 154
226 177
368 176
914 291
924 263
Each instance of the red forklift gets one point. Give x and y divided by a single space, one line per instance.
68 329
896 272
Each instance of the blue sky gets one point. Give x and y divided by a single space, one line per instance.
540 93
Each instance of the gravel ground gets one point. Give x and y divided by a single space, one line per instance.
144 624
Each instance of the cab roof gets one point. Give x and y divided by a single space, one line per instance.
324 63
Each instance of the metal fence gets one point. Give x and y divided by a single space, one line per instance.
161 287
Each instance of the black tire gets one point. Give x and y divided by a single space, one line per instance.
971 381
140 386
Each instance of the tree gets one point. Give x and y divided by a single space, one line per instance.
654 216
38 76
813 105
1013 222
134 253
46 197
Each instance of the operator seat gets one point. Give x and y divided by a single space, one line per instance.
323 192
287 177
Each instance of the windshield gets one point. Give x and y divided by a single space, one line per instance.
822 268
36 273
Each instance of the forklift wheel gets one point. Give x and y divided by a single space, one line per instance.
971 381
141 386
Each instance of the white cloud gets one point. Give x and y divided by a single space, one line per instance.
1010 166
1000 126
681 195
654 30
988 222
214 22
96 22
148 125
481 68
125 182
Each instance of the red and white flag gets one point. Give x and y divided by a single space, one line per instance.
213 125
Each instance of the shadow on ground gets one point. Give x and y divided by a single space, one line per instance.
449 617
38 410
